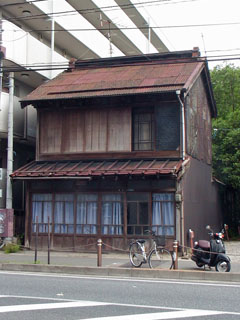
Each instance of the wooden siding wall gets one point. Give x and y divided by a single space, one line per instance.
198 123
79 131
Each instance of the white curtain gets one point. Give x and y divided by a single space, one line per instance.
41 208
63 213
112 214
163 213
86 214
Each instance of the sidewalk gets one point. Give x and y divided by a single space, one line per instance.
115 264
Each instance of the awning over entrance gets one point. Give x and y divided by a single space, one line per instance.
88 169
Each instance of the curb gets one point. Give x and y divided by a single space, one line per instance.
124 272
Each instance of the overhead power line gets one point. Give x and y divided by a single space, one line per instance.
99 9
19 3
65 65
136 28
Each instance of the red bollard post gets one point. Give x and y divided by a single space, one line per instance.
99 252
191 237
226 231
49 240
175 254
36 240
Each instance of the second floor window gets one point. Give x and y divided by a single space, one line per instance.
156 128
143 129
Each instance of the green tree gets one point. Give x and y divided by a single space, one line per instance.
226 133
226 87
226 149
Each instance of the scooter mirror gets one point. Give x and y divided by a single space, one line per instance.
208 227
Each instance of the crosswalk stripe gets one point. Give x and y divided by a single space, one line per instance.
161 315
30 307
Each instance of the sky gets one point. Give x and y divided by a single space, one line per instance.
181 25
218 40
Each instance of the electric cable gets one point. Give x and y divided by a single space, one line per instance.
100 9
94 64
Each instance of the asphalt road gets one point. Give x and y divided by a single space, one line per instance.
57 297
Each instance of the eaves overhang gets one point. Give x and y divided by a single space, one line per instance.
87 169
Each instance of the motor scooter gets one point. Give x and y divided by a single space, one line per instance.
211 253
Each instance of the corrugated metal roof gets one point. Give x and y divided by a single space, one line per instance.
88 169
94 80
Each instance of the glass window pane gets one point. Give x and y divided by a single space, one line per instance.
138 196
111 197
64 197
112 214
87 197
42 197
130 230
143 213
41 209
63 213
143 130
87 213
163 213
132 213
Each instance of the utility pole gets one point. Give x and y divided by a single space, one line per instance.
10 142
149 36
51 10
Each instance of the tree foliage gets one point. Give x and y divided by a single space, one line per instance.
226 128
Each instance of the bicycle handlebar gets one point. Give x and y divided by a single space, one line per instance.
153 233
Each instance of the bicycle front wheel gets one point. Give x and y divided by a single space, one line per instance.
2 243
135 254
160 259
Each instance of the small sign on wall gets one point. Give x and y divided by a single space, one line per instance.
0 193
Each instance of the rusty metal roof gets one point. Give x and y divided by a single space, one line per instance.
125 76
95 168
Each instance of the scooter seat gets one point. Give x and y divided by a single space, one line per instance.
204 244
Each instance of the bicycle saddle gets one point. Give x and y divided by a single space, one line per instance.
141 240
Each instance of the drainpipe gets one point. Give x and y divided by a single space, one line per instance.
183 156
10 142
178 93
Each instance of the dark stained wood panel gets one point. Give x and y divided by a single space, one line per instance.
50 132
119 130
96 130
79 131
73 137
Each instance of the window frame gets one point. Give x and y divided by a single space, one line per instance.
143 226
163 225
136 113
99 225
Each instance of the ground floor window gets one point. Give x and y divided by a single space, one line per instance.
130 213
138 212
63 213
41 210
163 213
86 220
112 214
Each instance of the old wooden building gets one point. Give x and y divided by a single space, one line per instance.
123 145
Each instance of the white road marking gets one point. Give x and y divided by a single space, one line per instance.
38 298
175 313
167 281
47 306
161 315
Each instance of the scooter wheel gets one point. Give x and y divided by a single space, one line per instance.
223 266
199 264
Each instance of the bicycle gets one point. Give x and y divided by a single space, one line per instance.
2 242
157 256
